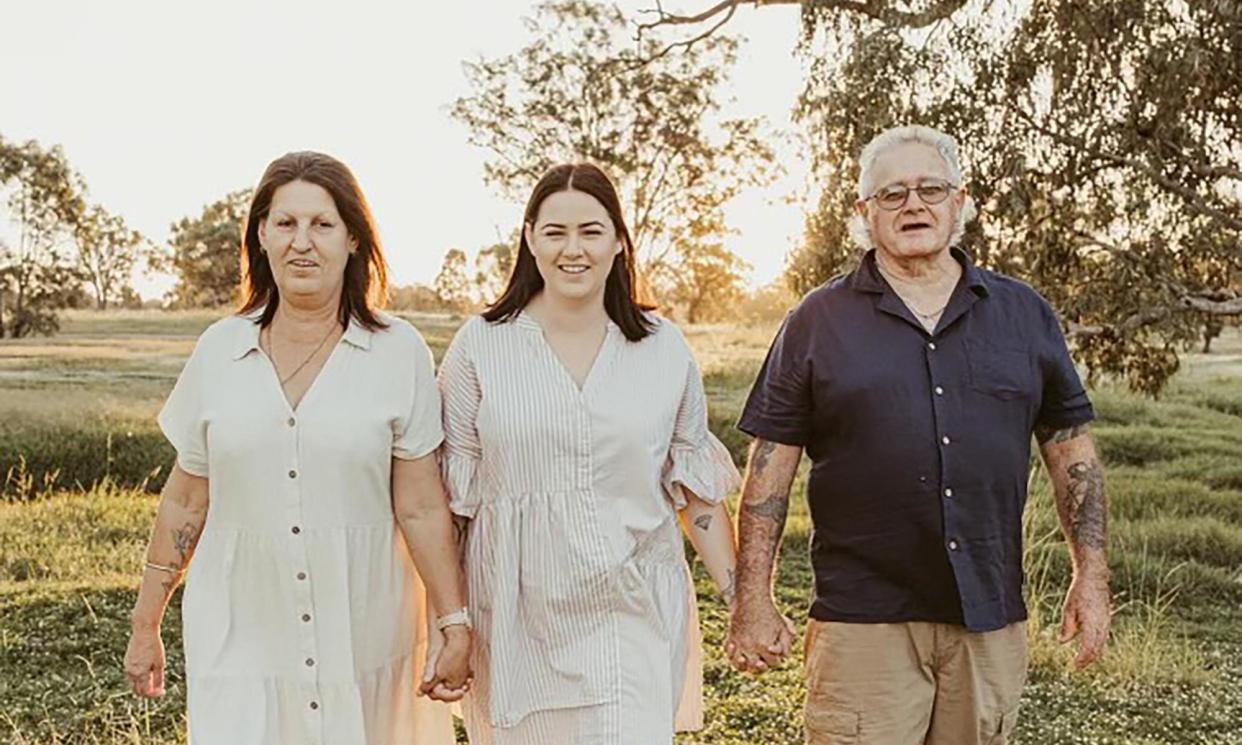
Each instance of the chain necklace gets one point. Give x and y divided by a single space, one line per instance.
892 281
306 361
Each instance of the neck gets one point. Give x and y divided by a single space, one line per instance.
928 270
569 314
301 319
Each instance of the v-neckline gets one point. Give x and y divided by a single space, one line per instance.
290 407
565 372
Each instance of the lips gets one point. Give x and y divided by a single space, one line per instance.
913 226
303 263
573 268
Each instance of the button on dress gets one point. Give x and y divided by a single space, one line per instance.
587 632
303 616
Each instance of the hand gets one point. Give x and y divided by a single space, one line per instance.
446 674
759 637
1086 614
144 662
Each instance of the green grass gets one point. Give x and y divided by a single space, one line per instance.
77 438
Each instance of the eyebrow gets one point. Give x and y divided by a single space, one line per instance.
595 223
287 213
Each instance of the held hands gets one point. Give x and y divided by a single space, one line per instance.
1086 615
144 662
759 636
447 674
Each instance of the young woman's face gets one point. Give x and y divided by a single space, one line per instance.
574 243
306 241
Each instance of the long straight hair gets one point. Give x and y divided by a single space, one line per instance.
622 296
365 287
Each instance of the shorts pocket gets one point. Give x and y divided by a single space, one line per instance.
827 723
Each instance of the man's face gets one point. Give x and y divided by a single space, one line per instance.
915 228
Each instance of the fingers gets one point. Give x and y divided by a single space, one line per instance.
1094 639
1069 624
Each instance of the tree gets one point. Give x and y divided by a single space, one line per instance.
107 252
707 281
453 282
492 267
1103 140
205 254
580 90
44 200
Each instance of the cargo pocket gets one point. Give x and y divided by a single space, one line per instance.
829 724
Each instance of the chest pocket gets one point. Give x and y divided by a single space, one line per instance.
1003 372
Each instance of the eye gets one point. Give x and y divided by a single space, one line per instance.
284 222
326 224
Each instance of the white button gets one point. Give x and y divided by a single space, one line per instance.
952 545
931 345
945 439
948 492
939 391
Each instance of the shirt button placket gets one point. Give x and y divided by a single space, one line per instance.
302 586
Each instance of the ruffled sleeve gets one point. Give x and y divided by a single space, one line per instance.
697 460
460 454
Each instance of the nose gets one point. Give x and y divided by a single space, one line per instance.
572 246
301 239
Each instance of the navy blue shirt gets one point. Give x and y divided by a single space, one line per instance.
919 442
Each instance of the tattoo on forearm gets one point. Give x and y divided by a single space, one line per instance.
703 522
729 591
1046 435
761 454
184 539
1084 504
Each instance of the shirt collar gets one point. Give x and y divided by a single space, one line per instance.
866 278
356 335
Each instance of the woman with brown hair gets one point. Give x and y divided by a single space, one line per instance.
575 436
307 490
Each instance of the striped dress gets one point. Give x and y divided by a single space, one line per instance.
578 584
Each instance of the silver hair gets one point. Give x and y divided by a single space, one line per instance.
890 138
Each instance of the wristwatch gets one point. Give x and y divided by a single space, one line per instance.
457 618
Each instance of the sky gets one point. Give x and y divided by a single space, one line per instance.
165 107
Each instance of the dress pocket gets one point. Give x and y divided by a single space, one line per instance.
1000 371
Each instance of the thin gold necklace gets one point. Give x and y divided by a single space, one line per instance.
892 280
271 355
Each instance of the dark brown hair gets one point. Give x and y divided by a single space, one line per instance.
365 286
622 295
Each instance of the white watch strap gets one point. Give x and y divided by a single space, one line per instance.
456 618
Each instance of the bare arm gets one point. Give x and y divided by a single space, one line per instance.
179 521
178 524
711 533
420 505
770 472
1082 506
759 637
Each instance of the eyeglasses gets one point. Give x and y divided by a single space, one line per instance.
931 192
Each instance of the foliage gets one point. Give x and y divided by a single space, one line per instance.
579 91
108 250
205 254
453 282
45 201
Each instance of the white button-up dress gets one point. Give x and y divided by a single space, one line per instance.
303 616
578 585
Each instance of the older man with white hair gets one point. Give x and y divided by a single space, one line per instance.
914 383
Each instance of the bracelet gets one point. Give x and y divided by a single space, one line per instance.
457 618
162 568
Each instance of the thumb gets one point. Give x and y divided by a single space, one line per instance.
1069 625
429 667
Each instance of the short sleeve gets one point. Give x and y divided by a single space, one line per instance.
778 408
418 433
1063 400
460 455
182 418
697 460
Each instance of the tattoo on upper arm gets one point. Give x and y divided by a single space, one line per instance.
1084 504
1046 435
703 522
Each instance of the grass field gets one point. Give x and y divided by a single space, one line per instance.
81 457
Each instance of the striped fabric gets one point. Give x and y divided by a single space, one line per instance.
578 584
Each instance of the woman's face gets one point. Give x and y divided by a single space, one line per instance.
574 244
306 242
